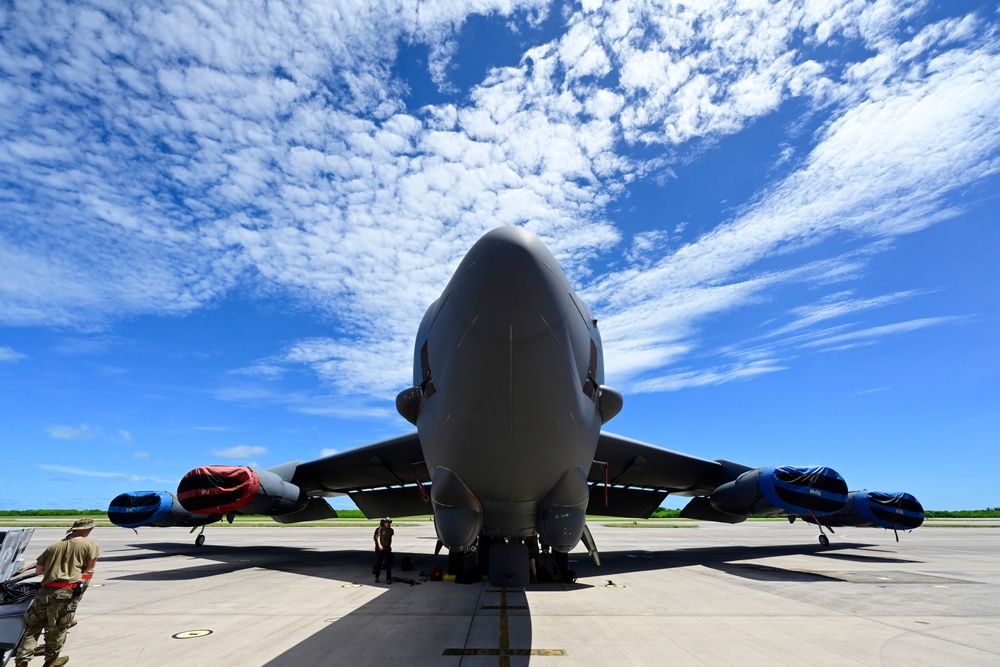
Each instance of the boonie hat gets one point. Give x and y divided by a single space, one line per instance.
82 524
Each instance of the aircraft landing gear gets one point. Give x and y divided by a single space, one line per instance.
200 540
823 539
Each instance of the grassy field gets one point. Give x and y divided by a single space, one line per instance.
662 518
65 521
50 521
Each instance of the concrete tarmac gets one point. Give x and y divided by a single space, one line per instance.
750 594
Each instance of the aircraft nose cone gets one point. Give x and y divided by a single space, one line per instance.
506 253
514 237
511 270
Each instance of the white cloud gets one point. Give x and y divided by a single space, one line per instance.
126 437
179 150
707 376
869 391
883 167
326 451
836 305
240 452
8 354
871 334
262 369
305 403
81 432
128 477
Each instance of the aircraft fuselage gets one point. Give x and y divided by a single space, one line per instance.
509 363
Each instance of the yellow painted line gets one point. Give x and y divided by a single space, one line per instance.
504 631
510 606
504 652
515 652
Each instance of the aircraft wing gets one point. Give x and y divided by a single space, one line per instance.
631 478
383 479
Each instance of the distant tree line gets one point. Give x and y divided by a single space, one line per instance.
53 512
660 513
988 513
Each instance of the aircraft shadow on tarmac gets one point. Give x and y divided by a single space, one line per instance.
727 559
351 565
310 562
426 633
456 617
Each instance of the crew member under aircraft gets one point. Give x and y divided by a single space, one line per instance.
532 543
383 550
66 566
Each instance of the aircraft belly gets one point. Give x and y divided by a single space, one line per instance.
510 440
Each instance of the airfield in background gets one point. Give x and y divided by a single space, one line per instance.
756 593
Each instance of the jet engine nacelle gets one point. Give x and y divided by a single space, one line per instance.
227 489
562 514
153 508
458 515
894 510
816 491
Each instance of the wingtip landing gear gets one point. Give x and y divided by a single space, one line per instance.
200 540
823 539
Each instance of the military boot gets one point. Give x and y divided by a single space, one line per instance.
57 661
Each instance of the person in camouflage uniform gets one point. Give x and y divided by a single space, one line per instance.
383 550
66 566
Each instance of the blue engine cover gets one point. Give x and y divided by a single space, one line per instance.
140 508
803 490
154 508
789 490
889 509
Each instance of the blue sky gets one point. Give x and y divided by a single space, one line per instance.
221 223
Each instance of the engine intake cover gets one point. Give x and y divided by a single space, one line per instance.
140 508
218 489
153 508
812 490
889 509
225 489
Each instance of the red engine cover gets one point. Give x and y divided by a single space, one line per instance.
218 489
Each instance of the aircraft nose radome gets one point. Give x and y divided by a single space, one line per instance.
509 235
509 274
508 248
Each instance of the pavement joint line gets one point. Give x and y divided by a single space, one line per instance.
510 606
504 652
504 630
511 652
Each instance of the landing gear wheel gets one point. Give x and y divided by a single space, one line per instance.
824 540
200 540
